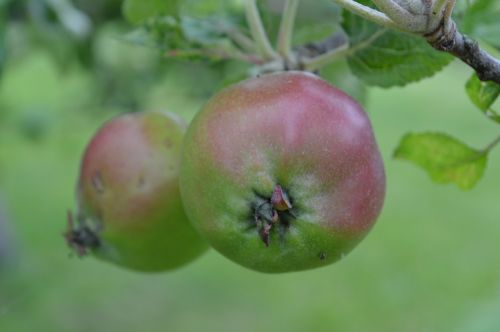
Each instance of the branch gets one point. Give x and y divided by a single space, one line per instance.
486 66
436 26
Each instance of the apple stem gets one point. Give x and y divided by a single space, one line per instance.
286 28
257 30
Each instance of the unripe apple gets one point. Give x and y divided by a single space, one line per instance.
282 173
129 206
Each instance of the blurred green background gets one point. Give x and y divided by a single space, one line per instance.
430 264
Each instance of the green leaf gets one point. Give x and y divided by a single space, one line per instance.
392 59
187 37
445 158
483 95
481 20
138 11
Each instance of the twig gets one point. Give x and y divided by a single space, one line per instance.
437 28
368 13
241 40
340 52
490 146
286 27
486 66
257 30
400 15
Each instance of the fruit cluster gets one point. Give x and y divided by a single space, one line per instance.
278 173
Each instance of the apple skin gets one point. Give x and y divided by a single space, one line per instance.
291 129
128 195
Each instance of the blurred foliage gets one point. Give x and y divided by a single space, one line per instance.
480 20
137 11
430 264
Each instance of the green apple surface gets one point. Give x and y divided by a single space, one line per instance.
129 205
282 173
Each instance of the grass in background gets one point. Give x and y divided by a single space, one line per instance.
430 263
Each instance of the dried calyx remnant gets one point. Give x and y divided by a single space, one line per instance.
273 212
80 238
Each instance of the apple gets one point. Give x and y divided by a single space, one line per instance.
282 173
129 205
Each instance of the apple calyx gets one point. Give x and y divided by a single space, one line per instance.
271 212
81 238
